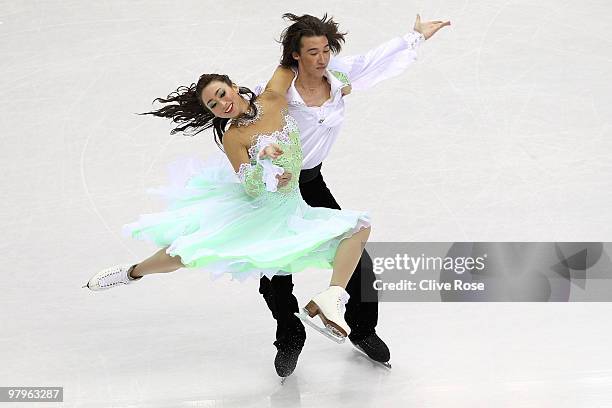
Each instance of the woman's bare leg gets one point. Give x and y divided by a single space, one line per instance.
347 257
160 262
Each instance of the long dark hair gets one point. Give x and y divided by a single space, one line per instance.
185 106
308 26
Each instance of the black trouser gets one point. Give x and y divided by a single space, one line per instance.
361 317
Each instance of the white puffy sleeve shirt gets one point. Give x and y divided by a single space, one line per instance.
320 125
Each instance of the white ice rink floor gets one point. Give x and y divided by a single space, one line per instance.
500 132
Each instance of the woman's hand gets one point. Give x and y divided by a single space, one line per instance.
428 28
272 151
283 179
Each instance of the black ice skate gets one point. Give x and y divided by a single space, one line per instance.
374 349
288 351
286 361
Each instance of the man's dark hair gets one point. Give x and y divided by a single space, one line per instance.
308 26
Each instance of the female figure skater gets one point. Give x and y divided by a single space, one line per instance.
249 224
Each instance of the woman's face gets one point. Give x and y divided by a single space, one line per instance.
222 99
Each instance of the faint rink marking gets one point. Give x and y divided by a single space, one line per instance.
428 187
480 91
12 14
479 56
92 204
152 164
165 145
39 29
415 176
529 98
453 216
111 21
474 117
596 112
431 188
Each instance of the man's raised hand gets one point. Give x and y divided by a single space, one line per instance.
428 28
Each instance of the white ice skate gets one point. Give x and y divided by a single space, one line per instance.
329 306
111 277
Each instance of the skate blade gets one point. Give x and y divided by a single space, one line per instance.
283 379
386 364
329 331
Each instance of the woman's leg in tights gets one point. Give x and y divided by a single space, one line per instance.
160 262
347 257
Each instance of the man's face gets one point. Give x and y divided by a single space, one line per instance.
314 55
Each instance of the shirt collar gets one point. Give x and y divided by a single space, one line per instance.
336 84
294 97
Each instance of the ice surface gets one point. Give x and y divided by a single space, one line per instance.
501 132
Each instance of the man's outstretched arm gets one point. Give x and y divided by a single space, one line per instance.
387 60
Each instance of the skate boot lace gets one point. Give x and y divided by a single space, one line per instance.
342 301
110 278
340 305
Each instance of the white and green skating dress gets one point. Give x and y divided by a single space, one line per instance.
242 224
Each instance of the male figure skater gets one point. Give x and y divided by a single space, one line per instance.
316 101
